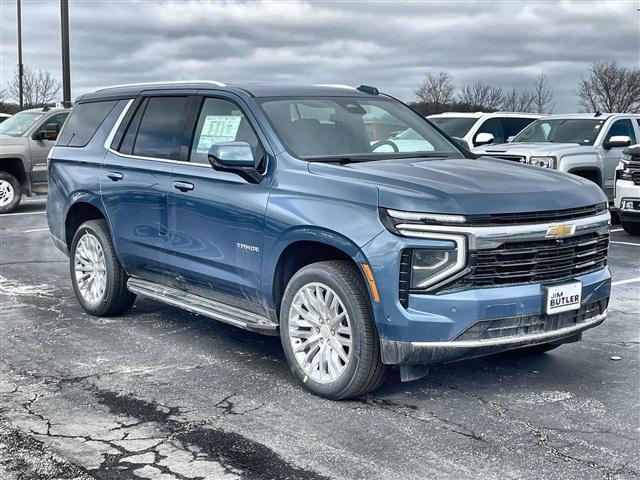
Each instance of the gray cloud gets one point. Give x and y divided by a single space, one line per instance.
387 44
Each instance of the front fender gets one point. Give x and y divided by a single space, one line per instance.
581 161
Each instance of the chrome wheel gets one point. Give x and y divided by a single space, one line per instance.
90 268
320 332
6 193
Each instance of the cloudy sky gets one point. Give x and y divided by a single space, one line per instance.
387 44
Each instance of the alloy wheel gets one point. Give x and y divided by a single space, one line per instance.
90 269
6 193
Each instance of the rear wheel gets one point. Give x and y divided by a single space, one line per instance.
328 333
631 228
98 279
10 192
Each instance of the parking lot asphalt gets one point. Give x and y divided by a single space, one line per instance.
161 393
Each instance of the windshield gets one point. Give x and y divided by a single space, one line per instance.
454 126
19 123
352 128
567 130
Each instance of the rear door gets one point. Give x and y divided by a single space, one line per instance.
135 180
216 219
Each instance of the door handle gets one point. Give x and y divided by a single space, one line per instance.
183 186
115 176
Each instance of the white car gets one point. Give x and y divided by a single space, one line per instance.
627 190
4 116
478 129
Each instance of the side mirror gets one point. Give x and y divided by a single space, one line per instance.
616 141
49 132
483 138
236 157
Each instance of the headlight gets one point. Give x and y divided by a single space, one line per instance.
429 267
405 223
544 162
625 173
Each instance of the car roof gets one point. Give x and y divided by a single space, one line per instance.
45 110
5 114
485 114
590 116
253 89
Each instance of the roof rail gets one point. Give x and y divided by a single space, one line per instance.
334 85
173 82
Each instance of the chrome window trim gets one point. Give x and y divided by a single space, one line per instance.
481 238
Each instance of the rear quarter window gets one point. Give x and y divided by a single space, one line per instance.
84 121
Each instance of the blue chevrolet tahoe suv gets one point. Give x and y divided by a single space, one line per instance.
335 217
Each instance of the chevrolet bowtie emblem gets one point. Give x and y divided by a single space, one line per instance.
560 231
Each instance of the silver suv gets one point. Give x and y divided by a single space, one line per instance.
588 145
480 128
25 141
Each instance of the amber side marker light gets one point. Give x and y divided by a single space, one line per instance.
372 282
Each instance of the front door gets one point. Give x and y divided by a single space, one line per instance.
39 149
135 181
612 156
216 219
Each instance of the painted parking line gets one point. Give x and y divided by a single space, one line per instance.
36 230
624 282
625 243
22 213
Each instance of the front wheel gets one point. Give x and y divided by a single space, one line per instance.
98 279
631 228
328 333
10 192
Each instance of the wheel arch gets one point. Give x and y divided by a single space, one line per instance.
82 210
590 173
15 167
304 247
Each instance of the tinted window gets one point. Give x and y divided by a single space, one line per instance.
84 122
494 127
622 128
455 126
513 126
221 121
160 129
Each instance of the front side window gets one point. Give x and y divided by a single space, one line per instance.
494 127
221 121
160 130
19 123
346 127
561 130
455 126
622 128
512 126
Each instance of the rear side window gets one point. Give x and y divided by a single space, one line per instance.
83 123
159 133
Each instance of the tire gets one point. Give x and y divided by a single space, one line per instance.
631 228
331 376
92 249
535 349
10 192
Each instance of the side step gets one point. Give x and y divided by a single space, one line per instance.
203 306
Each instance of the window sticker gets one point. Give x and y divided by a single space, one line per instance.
216 129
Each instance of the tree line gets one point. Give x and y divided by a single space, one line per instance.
607 88
39 88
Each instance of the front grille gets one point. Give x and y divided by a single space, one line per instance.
513 158
535 261
405 277
532 324
536 217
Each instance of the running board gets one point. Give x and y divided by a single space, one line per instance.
203 306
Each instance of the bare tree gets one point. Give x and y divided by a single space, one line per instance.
517 101
610 88
436 90
481 96
39 88
542 95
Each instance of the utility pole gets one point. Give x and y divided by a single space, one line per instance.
20 67
66 69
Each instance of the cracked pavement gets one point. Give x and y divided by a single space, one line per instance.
164 394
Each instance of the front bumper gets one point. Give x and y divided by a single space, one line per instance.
430 353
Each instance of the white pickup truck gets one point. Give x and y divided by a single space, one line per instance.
588 145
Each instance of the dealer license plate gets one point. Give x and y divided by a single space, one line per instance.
563 298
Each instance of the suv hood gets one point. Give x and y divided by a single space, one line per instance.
467 186
529 149
11 140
